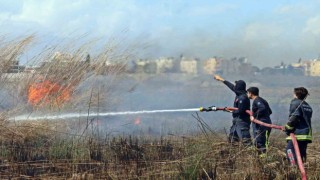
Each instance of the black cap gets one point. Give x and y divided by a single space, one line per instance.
254 91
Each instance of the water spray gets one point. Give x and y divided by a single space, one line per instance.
95 114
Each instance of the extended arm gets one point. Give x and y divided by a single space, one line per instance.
227 83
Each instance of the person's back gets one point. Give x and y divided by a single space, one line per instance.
303 111
261 111
300 114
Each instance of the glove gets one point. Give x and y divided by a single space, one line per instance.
288 129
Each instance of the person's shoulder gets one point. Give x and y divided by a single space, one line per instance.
262 100
243 97
306 104
295 101
257 101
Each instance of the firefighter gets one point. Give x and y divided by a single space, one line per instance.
240 129
299 123
261 111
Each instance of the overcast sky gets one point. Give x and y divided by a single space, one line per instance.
266 32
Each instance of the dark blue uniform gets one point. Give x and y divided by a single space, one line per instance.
300 124
261 111
240 129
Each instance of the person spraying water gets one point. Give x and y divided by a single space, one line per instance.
240 129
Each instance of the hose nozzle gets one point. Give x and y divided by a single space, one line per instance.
211 108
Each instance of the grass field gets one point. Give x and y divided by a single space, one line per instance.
47 154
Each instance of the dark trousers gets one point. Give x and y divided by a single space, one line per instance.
302 147
240 131
261 135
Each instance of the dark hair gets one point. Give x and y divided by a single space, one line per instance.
301 92
254 91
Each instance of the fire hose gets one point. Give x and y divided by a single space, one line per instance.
293 137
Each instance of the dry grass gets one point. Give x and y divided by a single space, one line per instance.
67 65
65 156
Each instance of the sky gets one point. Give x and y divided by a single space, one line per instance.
266 32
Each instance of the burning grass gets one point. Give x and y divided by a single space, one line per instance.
48 93
51 78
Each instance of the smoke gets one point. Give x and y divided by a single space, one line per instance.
177 91
171 91
263 44
112 92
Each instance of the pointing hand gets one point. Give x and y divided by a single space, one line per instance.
218 78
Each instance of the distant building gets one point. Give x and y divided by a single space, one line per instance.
230 66
139 65
58 60
109 67
246 69
63 63
188 65
279 69
210 66
164 65
62 58
308 67
315 68
151 67
15 67
145 66
30 69
295 69
234 66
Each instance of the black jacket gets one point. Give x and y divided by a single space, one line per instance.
261 109
300 115
241 100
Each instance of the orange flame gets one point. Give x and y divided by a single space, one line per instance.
48 93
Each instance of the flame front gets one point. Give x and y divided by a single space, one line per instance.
48 93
